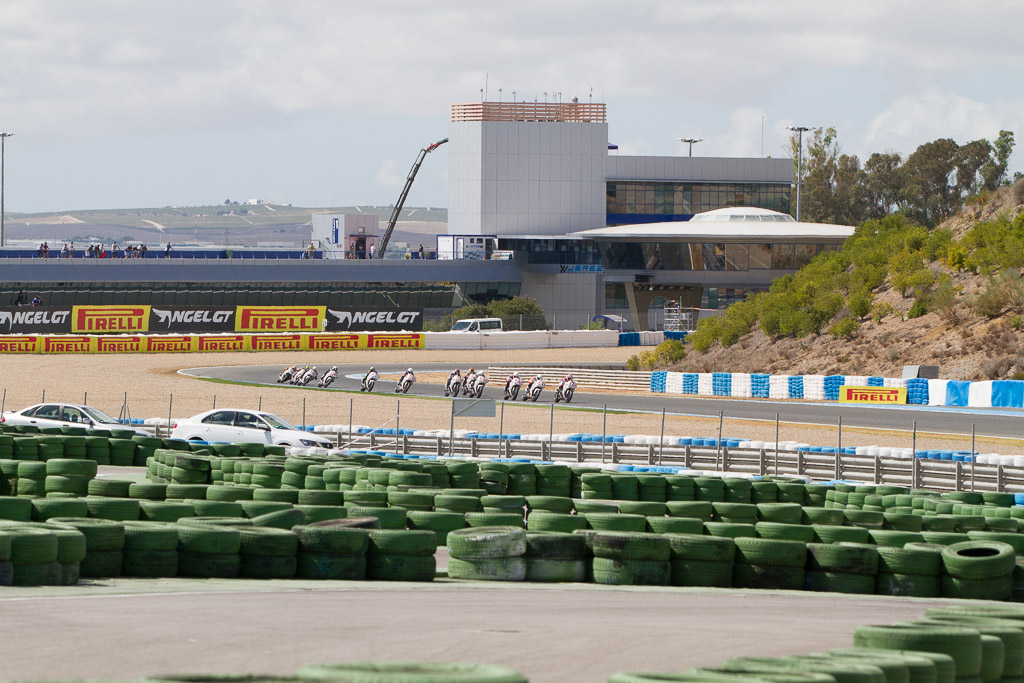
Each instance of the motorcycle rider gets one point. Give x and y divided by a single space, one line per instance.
479 381
508 380
567 381
410 375
332 373
455 374
371 373
309 375
467 383
289 372
535 381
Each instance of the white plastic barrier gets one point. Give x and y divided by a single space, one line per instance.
856 381
937 392
894 382
980 395
705 385
541 339
814 387
741 385
673 383
651 338
778 386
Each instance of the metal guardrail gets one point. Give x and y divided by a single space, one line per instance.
942 475
598 379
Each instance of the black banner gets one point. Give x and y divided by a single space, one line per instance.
374 319
35 320
191 319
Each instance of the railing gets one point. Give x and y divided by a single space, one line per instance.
577 112
598 379
913 473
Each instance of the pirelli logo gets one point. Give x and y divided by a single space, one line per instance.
119 344
19 344
169 344
221 342
68 344
101 319
279 318
394 341
277 342
879 395
333 342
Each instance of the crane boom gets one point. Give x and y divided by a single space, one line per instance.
405 193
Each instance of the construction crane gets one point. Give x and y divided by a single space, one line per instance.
405 193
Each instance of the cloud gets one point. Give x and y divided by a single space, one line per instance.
387 176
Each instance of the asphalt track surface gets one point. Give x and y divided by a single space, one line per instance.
128 628
998 422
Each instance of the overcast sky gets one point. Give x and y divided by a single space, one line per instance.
122 103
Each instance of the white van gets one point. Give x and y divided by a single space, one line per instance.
477 325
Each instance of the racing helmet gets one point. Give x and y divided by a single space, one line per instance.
314 368
409 370
334 368
372 369
516 375
540 377
472 370
569 376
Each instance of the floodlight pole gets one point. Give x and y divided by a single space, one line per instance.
690 142
3 140
799 130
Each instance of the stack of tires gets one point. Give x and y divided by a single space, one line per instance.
522 479
31 478
208 550
122 452
841 568
553 557
595 485
145 447
964 645
104 541
487 554
456 503
613 521
698 560
69 475
267 553
33 557
463 475
912 571
679 488
631 559
543 520
554 480
400 555
978 570
331 550
441 523
494 477
769 563
150 550
97 446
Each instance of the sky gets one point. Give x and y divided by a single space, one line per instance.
122 103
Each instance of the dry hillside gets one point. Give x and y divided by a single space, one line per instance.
975 348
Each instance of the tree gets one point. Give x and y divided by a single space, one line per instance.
930 189
993 171
833 184
884 184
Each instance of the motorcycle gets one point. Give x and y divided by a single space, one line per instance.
285 376
533 391
308 377
467 384
326 380
478 385
451 388
512 389
403 385
367 383
565 391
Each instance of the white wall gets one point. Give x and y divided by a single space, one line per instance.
526 177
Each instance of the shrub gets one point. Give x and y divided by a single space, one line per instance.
860 303
708 333
991 301
945 301
1016 323
919 308
845 329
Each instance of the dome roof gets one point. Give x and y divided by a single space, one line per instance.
735 214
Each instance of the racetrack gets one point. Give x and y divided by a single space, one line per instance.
987 422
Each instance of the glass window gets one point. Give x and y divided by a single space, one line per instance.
804 254
48 412
736 257
71 414
760 256
221 417
672 256
652 255
696 255
248 420
783 257
615 295
714 256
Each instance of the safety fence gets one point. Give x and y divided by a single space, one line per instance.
946 475
934 392
649 338
593 379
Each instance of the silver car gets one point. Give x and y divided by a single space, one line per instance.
65 415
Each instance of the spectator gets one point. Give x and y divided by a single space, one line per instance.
142 251
421 251
310 250
20 299
36 301
373 248
65 252
72 249
167 251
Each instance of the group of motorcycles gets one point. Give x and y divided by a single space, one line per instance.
471 384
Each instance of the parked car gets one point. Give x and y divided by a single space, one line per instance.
238 426
477 325
65 415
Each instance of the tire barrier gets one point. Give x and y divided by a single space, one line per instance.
935 392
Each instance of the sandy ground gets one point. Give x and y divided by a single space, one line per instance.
151 382
564 633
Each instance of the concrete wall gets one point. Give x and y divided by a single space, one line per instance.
569 300
526 177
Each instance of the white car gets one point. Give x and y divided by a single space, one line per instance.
238 426
65 415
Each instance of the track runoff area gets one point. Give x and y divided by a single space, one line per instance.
993 422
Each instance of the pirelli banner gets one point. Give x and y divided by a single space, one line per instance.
207 343
135 319
877 395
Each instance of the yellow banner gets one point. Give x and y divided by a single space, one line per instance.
110 319
878 395
207 343
279 318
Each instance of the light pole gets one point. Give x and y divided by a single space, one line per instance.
3 140
690 141
799 130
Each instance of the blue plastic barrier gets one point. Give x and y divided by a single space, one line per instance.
1008 394
957 393
721 383
796 386
876 382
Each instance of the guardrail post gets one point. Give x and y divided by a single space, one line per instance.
650 454
838 465
440 447
760 462
725 459
405 444
508 448
799 462
878 466
373 439
915 479
999 478
579 451
472 447
959 474
615 452
687 456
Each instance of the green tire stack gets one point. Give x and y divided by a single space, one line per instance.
33 555
698 560
268 553
150 550
441 523
554 480
97 448
769 563
104 541
208 551
122 451
31 478
69 475
553 557
631 559
487 554
842 568
401 555
910 571
331 552
978 570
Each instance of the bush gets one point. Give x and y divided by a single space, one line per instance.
845 329
991 301
919 308
860 303
1016 323
708 333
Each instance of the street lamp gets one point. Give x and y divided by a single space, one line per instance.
690 141
799 130
3 139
